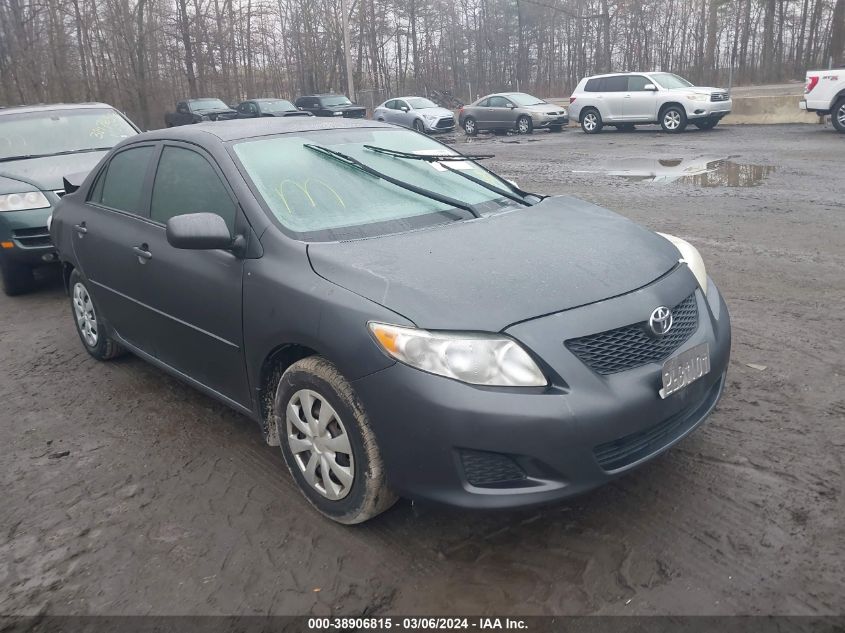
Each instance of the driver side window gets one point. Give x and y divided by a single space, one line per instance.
498 102
185 182
637 83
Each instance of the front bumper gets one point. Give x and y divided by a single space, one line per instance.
435 433
697 110
27 232
549 121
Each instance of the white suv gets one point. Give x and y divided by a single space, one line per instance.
825 94
627 99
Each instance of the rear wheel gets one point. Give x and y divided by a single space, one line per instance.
418 126
673 120
327 443
89 323
524 125
707 124
470 126
838 116
591 121
17 278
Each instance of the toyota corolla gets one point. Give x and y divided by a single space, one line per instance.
399 319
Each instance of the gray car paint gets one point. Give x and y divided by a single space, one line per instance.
420 420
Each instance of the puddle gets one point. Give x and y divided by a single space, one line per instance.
701 172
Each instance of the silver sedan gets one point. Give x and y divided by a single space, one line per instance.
418 113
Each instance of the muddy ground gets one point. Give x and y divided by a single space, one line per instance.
126 492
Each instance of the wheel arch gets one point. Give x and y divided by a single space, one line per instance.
666 105
586 109
67 270
275 363
839 95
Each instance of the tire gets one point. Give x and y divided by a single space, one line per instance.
709 124
470 126
555 128
837 116
85 314
524 125
673 120
418 126
17 278
356 489
591 121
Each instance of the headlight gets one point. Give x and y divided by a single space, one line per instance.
337 113
691 257
697 97
431 118
23 201
477 359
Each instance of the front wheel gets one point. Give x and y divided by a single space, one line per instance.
17 278
470 126
524 125
673 120
707 124
327 443
838 116
591 122
418 126
89 323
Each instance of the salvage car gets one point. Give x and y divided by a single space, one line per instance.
824 94
418 113
396 317
511 111
254 108
192 111
38 145
331 105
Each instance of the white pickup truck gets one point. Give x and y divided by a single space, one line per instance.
825 94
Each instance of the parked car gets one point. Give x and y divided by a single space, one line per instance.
255 108
624 100
192 111
401 320
331 105
507 111
38 144
418 113
825 94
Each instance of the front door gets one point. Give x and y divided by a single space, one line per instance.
500 113
640 104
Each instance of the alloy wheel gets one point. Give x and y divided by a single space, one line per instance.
86 317
320 444
469 126
590 121
523 125
672 119
840 116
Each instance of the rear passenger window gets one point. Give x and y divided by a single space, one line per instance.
615 84
186 183
593 85
121 185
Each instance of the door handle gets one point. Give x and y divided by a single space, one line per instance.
80 228
142 253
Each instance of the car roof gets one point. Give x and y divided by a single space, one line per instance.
626 73
324 94
253 128
263 99
50 107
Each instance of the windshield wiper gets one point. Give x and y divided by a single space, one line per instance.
355 163
65 152
444 158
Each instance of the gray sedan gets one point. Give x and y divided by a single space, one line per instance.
418 113
516 111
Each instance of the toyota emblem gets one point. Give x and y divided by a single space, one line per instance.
660 321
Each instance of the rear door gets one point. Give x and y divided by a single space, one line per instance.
615 90
194 296
110 224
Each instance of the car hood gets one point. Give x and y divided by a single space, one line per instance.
544 107
489 273
701 90
440 112
45 173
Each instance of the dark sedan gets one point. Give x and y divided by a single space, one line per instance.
401 320
331 105
255 108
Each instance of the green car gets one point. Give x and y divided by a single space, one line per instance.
39 145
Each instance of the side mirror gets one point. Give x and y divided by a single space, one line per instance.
650 87
404 108
198 231
511 106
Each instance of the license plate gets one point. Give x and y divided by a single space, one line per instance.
685 368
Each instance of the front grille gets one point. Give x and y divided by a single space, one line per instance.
632 346
631 448
718 96
445 122
31 238
483 468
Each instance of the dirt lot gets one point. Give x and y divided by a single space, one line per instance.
167 502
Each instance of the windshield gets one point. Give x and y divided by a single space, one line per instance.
277 106
320 199
522 99
208 104
54 131
670 81
420 103
335 101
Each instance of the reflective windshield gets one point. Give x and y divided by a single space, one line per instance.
277 106
320 199
670 81
335 101
208 104
421 103
522 99
53 131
